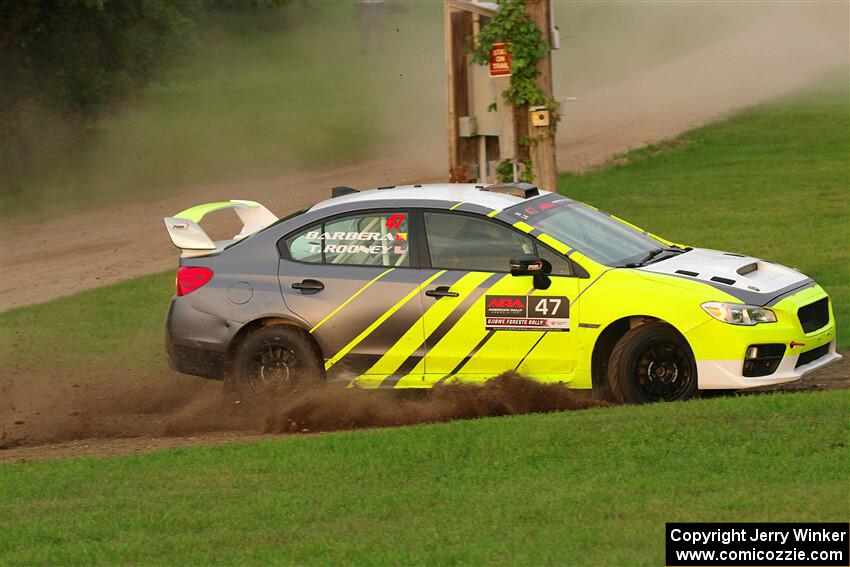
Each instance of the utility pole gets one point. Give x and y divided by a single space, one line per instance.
543 146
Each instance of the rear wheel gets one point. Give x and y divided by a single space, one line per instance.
652 363
273 359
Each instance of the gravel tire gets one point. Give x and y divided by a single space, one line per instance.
272 359
651 363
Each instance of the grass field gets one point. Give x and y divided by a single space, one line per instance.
593 487
773 181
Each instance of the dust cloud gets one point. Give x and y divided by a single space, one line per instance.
633 73
179 407
266 96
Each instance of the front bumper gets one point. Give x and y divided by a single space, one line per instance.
727 374
720 349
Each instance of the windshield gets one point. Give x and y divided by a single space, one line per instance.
594 234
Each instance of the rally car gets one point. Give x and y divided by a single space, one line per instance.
409 287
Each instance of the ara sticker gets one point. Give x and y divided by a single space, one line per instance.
526 313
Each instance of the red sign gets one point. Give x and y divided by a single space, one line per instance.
500 60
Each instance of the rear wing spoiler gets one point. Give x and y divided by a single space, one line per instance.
187 234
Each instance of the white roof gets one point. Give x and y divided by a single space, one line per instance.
454 192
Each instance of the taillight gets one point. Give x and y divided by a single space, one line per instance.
190 278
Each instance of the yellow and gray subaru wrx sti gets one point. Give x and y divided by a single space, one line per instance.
409 287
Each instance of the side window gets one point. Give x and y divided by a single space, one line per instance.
560 266
462 242
370 239
306 246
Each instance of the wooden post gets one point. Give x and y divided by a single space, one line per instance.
462 151
543 145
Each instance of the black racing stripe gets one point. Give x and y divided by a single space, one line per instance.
790 290
443 328
750 297
460 310
466 358
402 371
478 347
388 333
407 366
347 324
537 342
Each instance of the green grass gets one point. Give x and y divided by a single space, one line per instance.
121 324
593 488
772 181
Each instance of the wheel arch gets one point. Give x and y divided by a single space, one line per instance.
613 332
268 321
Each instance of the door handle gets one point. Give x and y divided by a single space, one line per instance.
442 291
309 286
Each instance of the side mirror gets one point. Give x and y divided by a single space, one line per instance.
528 265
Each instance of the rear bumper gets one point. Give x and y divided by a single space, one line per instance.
727 374
196 342
196 361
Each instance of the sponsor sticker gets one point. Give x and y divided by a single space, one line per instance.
373 243
395 220
526 313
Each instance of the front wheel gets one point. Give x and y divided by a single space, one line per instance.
652 363
273 359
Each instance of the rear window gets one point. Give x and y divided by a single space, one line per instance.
375 238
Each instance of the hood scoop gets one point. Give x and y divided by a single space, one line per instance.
687 273
748 269
726 281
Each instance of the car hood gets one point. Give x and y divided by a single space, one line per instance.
753 281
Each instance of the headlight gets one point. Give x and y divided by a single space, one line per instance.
737 314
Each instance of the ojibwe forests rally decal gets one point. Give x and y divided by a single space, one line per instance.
526 313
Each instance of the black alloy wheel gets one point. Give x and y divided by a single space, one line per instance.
652 363
274 359
663 372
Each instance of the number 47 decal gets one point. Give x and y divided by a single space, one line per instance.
551 307
547 306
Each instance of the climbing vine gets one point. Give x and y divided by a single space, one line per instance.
524 40
512 25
